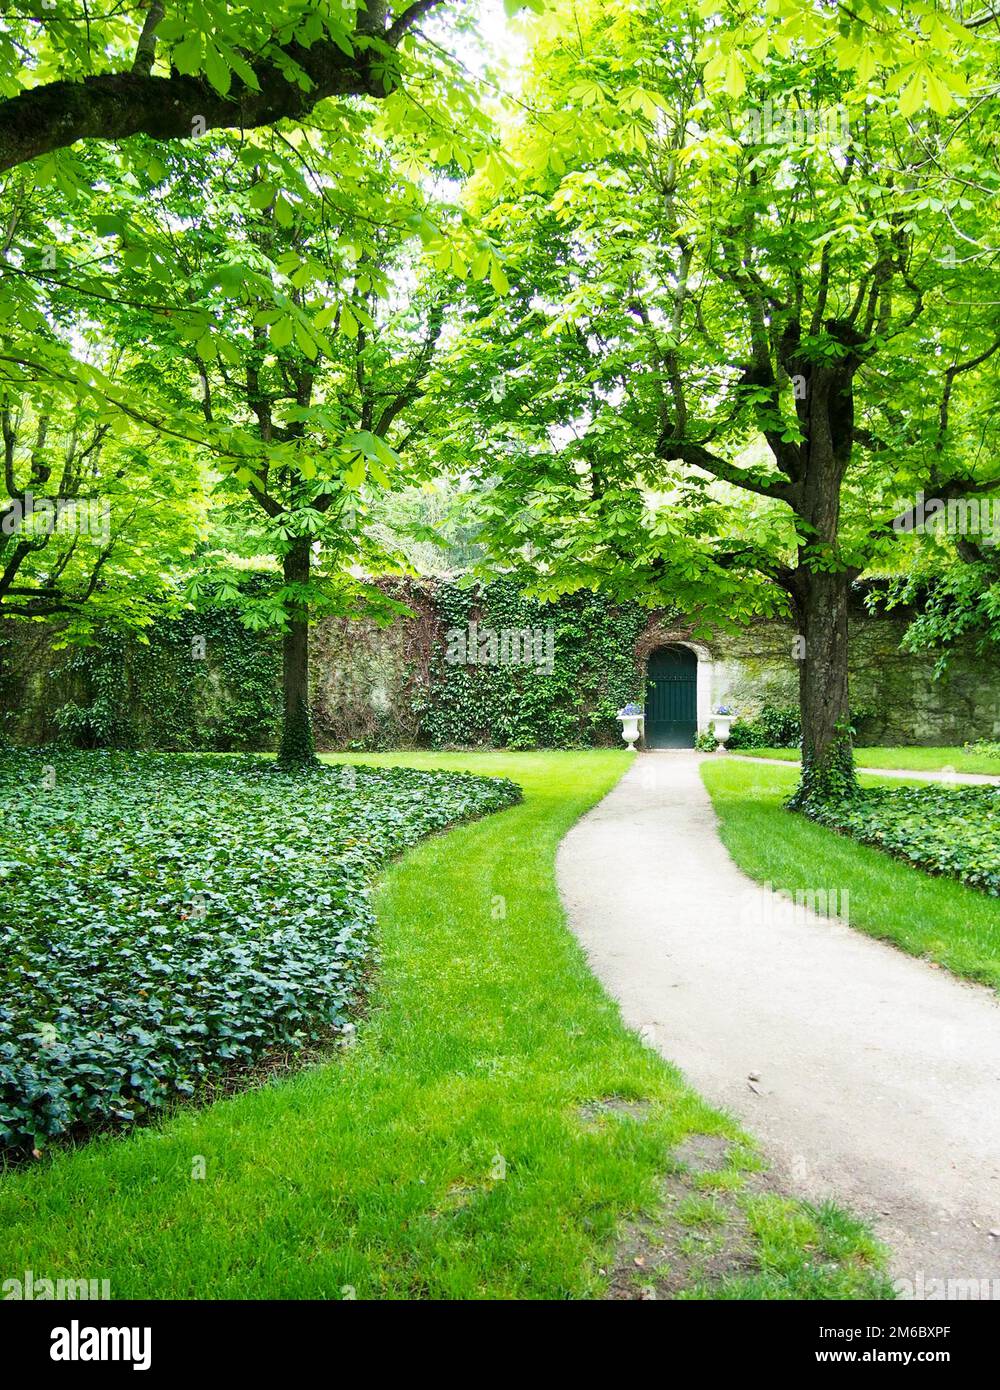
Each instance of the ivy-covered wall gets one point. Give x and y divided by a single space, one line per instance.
471 667
204 681
431 680
198 681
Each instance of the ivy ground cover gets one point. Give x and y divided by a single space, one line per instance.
944 830
166 920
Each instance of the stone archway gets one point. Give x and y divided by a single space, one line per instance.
655 637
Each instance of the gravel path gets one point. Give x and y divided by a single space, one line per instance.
866 1075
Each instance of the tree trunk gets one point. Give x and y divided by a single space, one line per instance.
820 585
297 746
827 753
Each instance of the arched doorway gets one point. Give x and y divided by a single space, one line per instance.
672 697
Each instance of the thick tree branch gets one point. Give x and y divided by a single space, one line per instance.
113 106
939 492
669 448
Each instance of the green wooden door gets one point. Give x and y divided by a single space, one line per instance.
672 698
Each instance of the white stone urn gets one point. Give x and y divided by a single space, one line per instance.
632 720
721 725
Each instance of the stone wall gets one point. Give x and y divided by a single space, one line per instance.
379 687
906 704
370 683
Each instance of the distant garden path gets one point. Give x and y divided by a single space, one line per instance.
868 1076
908 774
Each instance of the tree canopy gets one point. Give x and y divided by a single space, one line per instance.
696 307
785 288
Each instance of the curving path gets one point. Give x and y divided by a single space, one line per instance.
866 1075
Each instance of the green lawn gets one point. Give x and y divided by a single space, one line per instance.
901 759
938 918
447 1154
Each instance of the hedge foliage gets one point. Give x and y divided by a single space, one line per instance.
944 830
772 728
782 728
168 919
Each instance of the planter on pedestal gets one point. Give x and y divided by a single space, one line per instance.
632 720
721 725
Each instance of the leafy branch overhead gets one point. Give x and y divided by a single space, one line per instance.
69 72
188 68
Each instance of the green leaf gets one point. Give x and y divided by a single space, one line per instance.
912 96
217 70
735 83
241 67
186 57
498 278
280 332
355 474
109 224
866 65
262 195
587 93
305 341
284 213
938 95
228 351
378 453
